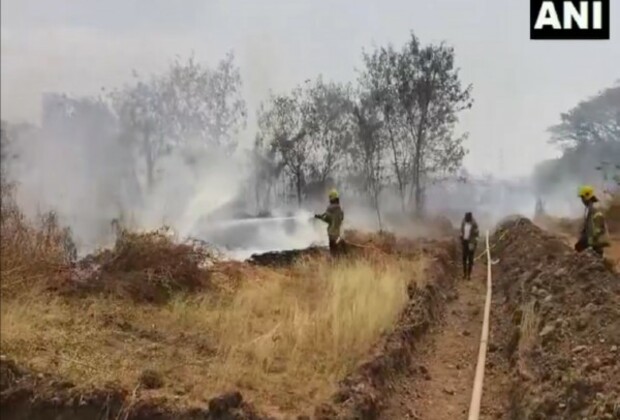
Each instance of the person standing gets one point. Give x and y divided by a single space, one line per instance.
594 230
469 241
333 216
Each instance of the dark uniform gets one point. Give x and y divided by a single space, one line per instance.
469 241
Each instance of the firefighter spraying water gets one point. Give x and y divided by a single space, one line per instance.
334 217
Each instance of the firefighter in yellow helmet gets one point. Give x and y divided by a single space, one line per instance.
594 231
333 216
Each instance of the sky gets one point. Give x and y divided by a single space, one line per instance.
520 86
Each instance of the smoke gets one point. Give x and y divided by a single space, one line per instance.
76 165
557 180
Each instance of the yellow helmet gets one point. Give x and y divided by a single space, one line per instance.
333 194
586 192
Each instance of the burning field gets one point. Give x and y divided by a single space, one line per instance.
158 329
154 328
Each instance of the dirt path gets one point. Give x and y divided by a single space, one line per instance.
439 386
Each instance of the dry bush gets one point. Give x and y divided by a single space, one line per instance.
31 252
612 214
144 266
285 337
149 267
385 241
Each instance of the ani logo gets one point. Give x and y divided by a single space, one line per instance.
569 19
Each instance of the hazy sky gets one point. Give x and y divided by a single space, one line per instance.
520 86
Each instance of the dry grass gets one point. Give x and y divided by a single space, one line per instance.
283 337
528 337
286 338
530 326
29 252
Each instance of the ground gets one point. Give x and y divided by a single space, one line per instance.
158 329
439 387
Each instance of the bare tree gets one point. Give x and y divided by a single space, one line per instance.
281 125
431 96
4 152
190 103
203 104
266 171
380 80
140 109
368 150
327 119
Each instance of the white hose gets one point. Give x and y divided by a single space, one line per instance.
476 396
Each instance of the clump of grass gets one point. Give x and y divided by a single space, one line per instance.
149 267
30 251
530 326
528 336
319 321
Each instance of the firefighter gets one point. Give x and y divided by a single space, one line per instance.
333 216
540 208
469 241
594 230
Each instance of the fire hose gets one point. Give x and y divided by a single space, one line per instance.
476 397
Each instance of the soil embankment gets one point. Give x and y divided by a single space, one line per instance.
555 328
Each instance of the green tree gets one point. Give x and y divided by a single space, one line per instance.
419 94
431 96
593 121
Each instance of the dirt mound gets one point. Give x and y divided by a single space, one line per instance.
558 323
146 267
560 225
27 395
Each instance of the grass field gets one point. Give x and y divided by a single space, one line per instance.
284 336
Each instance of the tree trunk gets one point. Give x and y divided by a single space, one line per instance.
150 172
377 209
397 171
298 188
419 159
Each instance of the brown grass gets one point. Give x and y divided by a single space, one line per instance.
286 338
528 337
282 336
146 267
30 252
